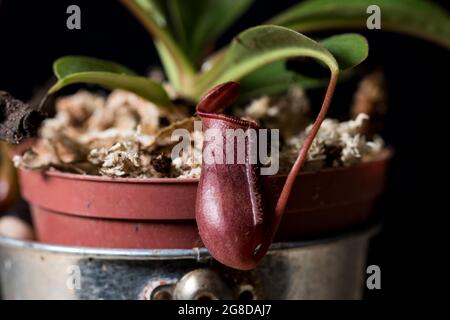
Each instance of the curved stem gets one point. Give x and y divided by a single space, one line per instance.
287 188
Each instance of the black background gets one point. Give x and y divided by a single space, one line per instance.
409 250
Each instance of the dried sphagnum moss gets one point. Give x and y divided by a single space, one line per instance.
290 112
120 136
336 144
124 135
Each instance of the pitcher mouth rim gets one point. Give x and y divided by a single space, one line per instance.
231 119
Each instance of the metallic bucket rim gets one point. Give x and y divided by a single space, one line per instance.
171 254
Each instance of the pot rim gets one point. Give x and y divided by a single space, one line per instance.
196 253
385 154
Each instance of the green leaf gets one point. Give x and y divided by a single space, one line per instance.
72 69
420 18
274 79
260 46
348 49
68 65
179 69
198 23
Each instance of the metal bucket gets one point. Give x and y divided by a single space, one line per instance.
331 268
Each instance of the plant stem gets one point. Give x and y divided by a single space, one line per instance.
185 71
284 196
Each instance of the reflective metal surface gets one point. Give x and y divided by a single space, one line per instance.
325 269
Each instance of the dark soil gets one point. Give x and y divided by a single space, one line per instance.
18 120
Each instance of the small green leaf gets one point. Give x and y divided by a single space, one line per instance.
421 18
71 70
261 46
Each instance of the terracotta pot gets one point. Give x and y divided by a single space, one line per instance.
92 211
